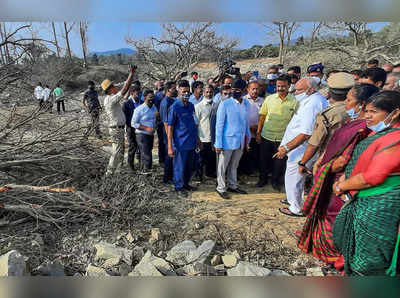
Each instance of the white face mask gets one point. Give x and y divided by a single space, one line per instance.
292 87
302 96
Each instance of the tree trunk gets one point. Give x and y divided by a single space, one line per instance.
5 48
67 41
2 38
55 39
83 26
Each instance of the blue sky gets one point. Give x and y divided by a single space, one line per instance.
104 36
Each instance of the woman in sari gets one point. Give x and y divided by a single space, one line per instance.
366 231
322 205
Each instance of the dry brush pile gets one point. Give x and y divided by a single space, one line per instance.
49 172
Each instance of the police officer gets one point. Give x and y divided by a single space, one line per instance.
330 119
182 138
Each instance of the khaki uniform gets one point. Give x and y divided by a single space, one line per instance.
327 122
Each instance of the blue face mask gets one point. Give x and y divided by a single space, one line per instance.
352 114
381 125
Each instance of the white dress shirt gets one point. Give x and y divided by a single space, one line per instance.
38 92
303 123
203 115
254 108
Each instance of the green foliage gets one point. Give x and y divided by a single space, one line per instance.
256 51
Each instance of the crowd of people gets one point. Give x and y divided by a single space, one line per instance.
340 129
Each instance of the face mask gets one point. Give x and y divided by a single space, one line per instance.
380 126
185 96
292 87
150 101
352 114
237 94
302 96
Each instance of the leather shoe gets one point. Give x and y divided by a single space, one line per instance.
238 190
190 188
223 195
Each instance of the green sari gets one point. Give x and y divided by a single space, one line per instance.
366 231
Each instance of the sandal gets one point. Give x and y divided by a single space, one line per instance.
287 212
284 202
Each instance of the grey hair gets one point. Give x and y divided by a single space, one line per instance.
311 83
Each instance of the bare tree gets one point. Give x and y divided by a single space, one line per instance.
83 29
315 31
67 30
180 47
363 46
284 31
55 39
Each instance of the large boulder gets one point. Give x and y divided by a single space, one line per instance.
150 264
248 269
13 264
107 251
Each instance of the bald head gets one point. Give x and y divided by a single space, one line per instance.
308 85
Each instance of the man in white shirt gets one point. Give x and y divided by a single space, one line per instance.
116 120
39 94
46 98
294 142
203 115
197 95
250 159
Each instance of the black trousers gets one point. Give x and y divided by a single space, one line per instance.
145 143
208 160
269 165
250 161
168 163
59 104
161 143
132 146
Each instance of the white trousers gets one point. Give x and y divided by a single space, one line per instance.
294 185
228 162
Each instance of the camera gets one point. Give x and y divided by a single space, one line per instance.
226 66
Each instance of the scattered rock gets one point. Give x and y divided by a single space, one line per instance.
180 252
199 269
216 260
124 269
229 260
111 262
198 226
201 253
138 253
220 267
279 272
155 235
149 265
13 264
248 269
315 271
129 237
108 251
95 271
52 269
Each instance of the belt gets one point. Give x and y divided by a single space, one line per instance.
119 126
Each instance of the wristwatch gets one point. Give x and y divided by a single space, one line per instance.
286 148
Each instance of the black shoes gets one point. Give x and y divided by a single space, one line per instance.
238 190
223 195
190 188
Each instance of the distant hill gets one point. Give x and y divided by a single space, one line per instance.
125 51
